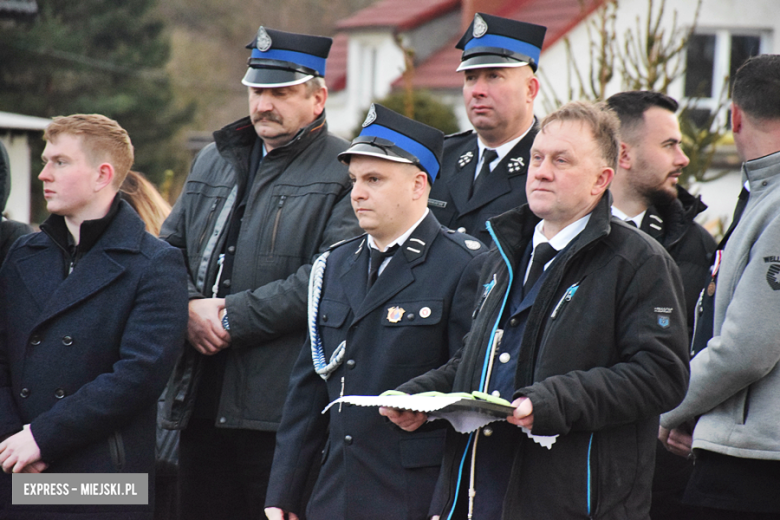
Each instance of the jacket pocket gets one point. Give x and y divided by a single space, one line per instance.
116 448
332 313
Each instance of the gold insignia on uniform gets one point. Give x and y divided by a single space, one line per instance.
425 312
711 289
465 159
263 40
472 244
516 164
395 314
480 26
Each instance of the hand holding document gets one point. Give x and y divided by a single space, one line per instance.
466 412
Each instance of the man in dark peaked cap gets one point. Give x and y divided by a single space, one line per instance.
484 170
385 306
258 207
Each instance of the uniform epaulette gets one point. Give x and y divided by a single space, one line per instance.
459 134
467 242
345 241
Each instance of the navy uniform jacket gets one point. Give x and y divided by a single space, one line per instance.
370 468
83 358
449 198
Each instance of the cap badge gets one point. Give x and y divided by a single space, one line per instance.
516 164
370 117
472 244
465 159
394 314
480 26
263 40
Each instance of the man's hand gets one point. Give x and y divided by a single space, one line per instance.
405 419
19 451
204 328
274 513
523 414
676 440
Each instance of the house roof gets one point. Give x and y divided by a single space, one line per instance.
559 16
336 71
401 15
18 8
9 121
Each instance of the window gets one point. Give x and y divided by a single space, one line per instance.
712 56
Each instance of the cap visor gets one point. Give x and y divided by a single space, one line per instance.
485 61
273 78
371 151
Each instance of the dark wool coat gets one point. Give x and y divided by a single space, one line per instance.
599 367
372 469
449 198
83 358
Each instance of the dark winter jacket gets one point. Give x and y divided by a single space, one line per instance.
599 364
688 243
297 206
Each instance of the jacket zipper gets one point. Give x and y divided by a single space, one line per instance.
566 298
207 227
276 222
117 450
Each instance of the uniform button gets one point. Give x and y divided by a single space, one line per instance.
67 341
410 316
350 363
222 420
764 183
513 322
226 283
504 357
495 393
348 439
59 393
35 340
25 393
231 249
487 431
461 230
324 317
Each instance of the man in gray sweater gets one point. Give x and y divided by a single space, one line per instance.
735 381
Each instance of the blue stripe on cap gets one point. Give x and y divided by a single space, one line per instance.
300 58
424 155
503 42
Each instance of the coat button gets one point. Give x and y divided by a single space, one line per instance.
324 317
222 420
505 357
59 393
35 340
348 439
513 322
350 363
67 341
487 431
410 316
226 283
25 393
495 393
232 249
461 230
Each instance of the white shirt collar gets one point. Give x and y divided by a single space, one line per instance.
502 150
564 236
636 218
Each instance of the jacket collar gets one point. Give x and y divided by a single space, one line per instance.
668 223
234 142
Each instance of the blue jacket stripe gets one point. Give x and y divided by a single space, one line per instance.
460 475
590 444
482 381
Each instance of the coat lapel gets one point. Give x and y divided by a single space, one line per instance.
46 258
399 272
354 276
459 184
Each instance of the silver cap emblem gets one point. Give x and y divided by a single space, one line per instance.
480 26
370 117
263 40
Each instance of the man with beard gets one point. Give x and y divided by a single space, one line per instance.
484 171
259 205
645 190
646 193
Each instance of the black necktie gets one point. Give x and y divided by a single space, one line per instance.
543 253
376 259
630 222
488 156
